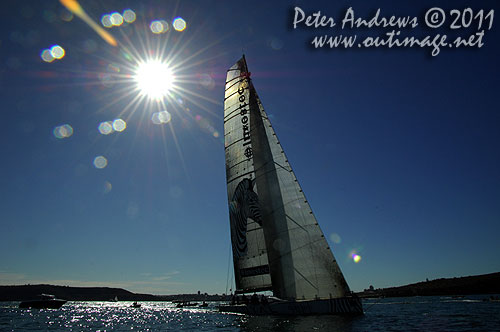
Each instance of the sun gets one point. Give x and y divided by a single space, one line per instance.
154 79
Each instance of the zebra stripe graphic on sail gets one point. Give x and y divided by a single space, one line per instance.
244 205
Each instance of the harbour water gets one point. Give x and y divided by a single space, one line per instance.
470 313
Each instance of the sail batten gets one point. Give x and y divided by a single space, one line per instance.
277 242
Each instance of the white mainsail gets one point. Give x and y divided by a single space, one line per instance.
249 249
277 243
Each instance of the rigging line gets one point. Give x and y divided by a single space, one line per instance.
300 226
310 249
266 171
290 171
283 167
232 277
284 205
304 277
289 252
228 266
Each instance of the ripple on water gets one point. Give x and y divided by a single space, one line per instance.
402 314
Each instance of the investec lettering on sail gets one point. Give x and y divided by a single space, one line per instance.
244 117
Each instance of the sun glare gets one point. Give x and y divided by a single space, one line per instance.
154 79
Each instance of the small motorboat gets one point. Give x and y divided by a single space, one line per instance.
135 305
45 301
203 305
184 304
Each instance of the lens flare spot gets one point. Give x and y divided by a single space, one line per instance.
179 24
47 56
356 258
72 5
161 117
116 19
206 125
76 9
57 52
106 21
165 25
158 26
207 81
105 128
63 131
113 68
107 187
65 15
119 125
335 238
129 15
126 55
100 162
154 79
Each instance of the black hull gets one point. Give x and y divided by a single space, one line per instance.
339 306
42 304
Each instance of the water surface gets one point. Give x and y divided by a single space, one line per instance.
441 314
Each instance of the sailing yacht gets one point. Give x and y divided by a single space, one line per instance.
277 244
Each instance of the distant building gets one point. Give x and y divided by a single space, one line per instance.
369 289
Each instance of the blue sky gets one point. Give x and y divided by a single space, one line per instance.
398 152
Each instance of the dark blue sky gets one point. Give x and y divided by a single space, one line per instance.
398 152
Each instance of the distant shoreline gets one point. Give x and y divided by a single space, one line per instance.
28 292
479 284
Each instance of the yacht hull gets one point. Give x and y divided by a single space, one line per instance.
338 306
42 304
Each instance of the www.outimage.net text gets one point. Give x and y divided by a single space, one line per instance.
397 30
